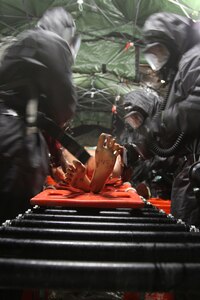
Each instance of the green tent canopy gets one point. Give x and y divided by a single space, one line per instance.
109 62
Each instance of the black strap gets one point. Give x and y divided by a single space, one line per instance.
66 140
48 125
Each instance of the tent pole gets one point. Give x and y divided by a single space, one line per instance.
137 63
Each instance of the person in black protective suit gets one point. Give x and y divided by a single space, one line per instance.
156 172
138 105
173 49
36 94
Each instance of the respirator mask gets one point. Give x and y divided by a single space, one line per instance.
73 40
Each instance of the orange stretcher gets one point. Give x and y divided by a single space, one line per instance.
161 204
117 196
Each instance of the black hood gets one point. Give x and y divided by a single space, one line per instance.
60 22
142 100
57 20
177 33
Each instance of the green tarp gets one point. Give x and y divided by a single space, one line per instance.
111 30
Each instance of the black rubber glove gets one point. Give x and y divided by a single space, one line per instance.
153 127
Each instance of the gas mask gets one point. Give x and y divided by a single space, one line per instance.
157 56
73 40
75 45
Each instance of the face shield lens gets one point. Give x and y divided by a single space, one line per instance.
74 41
157 56
68 33
75 45
134 119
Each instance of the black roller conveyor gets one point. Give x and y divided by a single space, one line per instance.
141 250
99 225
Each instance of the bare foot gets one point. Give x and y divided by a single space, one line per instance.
105 157
76 176
90 167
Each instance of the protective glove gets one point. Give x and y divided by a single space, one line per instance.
148 132
153 127
137 151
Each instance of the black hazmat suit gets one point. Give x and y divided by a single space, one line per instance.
35 66
147 103
156 171
180 36
142 100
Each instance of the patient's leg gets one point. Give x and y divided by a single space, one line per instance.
105 157
76 176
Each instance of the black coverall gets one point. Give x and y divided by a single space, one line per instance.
182 110
156 171
37 65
